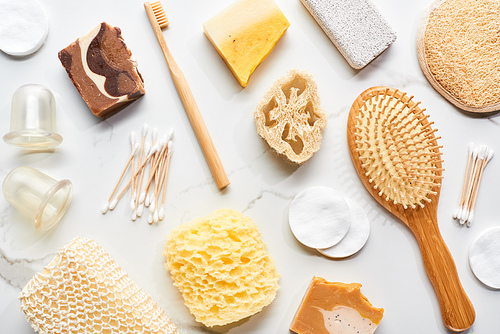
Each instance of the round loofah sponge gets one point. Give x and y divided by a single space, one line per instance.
220 265
290 117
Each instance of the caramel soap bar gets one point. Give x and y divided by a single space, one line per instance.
103 70
335 308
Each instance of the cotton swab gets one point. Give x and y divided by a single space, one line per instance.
141 176
465 211
158 154
133 190
169 155
466 214
476 190
133 140
153 149
107 205
469 159
476 164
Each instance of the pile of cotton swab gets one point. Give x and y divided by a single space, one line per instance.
479 156
153 158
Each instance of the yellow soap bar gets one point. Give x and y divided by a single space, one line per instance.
333 307
245 33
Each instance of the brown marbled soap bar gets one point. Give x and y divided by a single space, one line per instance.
103 70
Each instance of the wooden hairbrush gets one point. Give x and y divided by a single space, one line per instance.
395 153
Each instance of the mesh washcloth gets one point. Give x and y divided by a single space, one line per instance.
83 290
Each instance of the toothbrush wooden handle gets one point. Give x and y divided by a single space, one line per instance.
190 106
456 309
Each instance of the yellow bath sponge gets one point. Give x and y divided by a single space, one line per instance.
220 265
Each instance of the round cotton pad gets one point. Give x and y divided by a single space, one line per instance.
23 27
484 257
319 217
355 238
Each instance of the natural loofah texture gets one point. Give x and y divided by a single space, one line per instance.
397 147
461 49
290 117
84 291
220 265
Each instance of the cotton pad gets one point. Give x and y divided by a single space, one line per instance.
355 238
23 27
484 257
319 217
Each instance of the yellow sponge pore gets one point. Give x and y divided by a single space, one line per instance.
220 265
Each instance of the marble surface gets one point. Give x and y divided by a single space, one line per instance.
262 184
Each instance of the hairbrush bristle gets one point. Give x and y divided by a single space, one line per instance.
160 16
397 148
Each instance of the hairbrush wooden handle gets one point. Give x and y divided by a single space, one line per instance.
190 106
456 309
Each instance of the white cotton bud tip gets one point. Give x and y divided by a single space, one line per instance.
470 219
136 147
455 215
465 214
161 214
150 218
170 146
105 208
154 134
132 204
170 134
153 150
140 210
113 203
142 197
133 216
484 151
474 152
471 147
147 147
133 138
490 155
155 216
145 130
147 200
152 206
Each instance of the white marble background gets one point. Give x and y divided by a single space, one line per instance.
262 184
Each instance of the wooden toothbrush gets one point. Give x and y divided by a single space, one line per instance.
159 21
395 153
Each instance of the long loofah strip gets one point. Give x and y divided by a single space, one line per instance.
83 290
